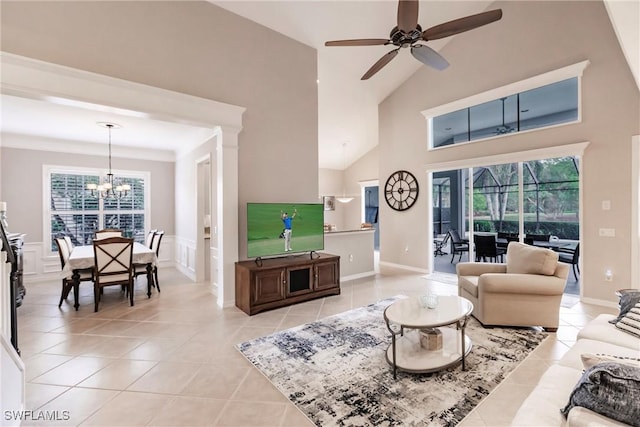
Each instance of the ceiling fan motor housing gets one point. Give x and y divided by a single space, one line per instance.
402 39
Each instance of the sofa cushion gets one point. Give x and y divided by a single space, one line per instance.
630 322
583 417
589 359
601 330
610 389
573 357
542 406
527 259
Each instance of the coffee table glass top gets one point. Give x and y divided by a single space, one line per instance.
410 313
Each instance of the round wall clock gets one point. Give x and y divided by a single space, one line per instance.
401 190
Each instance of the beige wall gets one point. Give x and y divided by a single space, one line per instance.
335 182
202 50
532 38
22 181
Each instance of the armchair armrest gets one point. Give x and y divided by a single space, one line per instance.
478 268
529 284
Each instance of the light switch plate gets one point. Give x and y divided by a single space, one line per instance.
607 232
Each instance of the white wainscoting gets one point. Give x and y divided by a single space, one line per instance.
39 267
185 256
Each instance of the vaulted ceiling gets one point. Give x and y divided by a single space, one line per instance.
348 107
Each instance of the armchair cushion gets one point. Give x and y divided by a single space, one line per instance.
527 259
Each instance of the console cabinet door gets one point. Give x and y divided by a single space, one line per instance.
327 275
267 286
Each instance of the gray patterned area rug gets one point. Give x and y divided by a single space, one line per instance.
335 371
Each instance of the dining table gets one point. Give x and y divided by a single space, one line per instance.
83 258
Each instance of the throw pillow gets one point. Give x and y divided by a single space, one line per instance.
527 259
630 322
610 389
588 360
628 299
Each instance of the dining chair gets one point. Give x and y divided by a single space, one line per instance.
458 246
86 275
156 249
570 256
486 247
140 269
107 232
67 240
113 265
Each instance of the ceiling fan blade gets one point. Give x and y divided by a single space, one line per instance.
358 42
407 15
429 57
461 25
381 63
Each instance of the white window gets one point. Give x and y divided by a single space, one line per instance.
550 99
72 210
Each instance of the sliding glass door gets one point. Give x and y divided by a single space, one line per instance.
522 200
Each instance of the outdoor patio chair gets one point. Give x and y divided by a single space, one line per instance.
570 256
458 246
486 247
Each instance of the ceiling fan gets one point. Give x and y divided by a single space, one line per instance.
408 33
504 129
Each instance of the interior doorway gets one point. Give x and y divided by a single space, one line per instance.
371 208
203 246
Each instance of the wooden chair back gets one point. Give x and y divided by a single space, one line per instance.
107 232
67 240
113 265
63 251
150 236
156 241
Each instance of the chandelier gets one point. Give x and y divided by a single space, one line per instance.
109 186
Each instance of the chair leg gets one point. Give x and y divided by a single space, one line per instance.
130 289
574 271
96 297
155 274
62 294
453 254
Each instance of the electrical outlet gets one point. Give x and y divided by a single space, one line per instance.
406 248
350 257
606 205
608 276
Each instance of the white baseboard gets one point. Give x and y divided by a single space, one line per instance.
358 276
404 267
599 302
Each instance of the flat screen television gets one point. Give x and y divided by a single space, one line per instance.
267 223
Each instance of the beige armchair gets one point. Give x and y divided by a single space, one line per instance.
524 291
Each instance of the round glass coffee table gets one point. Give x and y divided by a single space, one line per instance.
418 343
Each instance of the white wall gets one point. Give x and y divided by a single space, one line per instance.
532 38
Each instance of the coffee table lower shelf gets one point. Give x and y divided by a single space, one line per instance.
411 357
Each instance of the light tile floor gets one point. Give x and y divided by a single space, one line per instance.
170 360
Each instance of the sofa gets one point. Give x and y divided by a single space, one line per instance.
601 340
525 291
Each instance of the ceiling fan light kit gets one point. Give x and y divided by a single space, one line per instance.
408 33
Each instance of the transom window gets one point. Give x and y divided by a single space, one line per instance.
71 210
549 105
